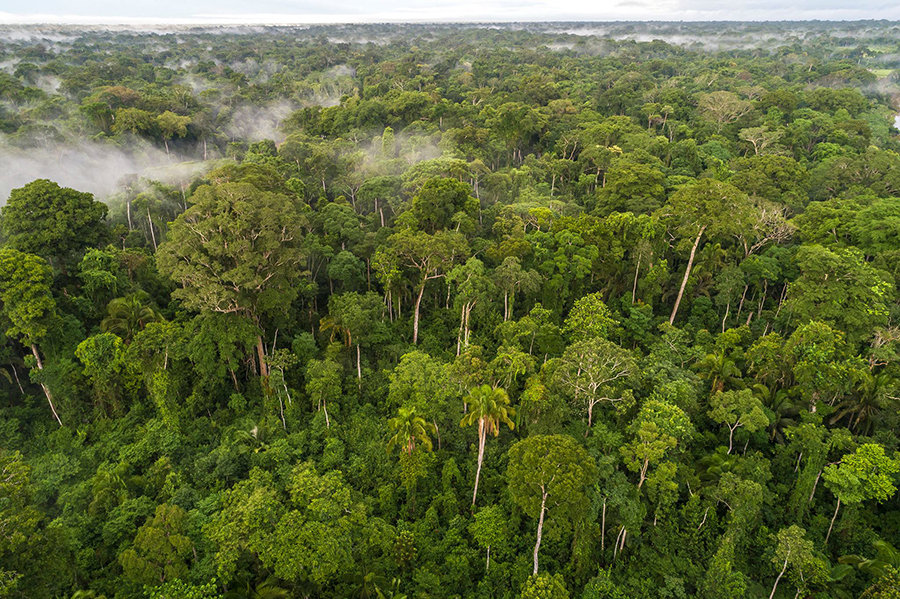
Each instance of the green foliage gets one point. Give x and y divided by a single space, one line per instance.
550 270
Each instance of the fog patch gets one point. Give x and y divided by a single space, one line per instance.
88 166
253 123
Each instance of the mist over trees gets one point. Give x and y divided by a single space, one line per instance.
594 311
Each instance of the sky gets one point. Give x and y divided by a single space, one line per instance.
233 12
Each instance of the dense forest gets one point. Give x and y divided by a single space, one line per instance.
528 311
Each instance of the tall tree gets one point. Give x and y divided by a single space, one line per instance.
549 472
428 256
53 222
706 208
236 250
488 408
28 305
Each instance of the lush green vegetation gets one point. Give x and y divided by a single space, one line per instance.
465 312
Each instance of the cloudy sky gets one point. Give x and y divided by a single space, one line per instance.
343 11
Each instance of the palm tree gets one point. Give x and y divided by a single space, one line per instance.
719 370
128 315
874 392
782 406
267 589
489 407
410 428
887 557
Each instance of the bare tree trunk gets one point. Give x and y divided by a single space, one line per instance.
833 518
16 376
481 440
603 528
358 364
540 530
637 269
777 580
261 353
687 273
40 366
416 314
152 233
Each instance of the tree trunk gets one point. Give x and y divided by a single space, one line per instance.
40 366
731 437
540 530
687 273
152 232
488 566
416 314
482 437
833 518
261 353
358 364
637 269
603 528
777 580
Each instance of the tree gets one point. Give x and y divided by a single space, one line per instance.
840 288
866 474
355 315
544 586
439 200
738 409
489 408
236 250
595 371
723 107
708 207
19 519
410 430
792 549
512 279
171 125
161 549
53 222
658 428
489 529
589 318
126 316
549 473
323 384
429 256
27 304
474 288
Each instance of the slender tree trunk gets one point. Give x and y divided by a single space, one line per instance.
777 580
637 269
481 441
358 364
687 273
505 306
49 396
833 518
16 376
416 314
152 232
261 354
731 437
128 213
488 566
603 528
540 530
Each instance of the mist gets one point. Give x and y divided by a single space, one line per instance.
87 166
